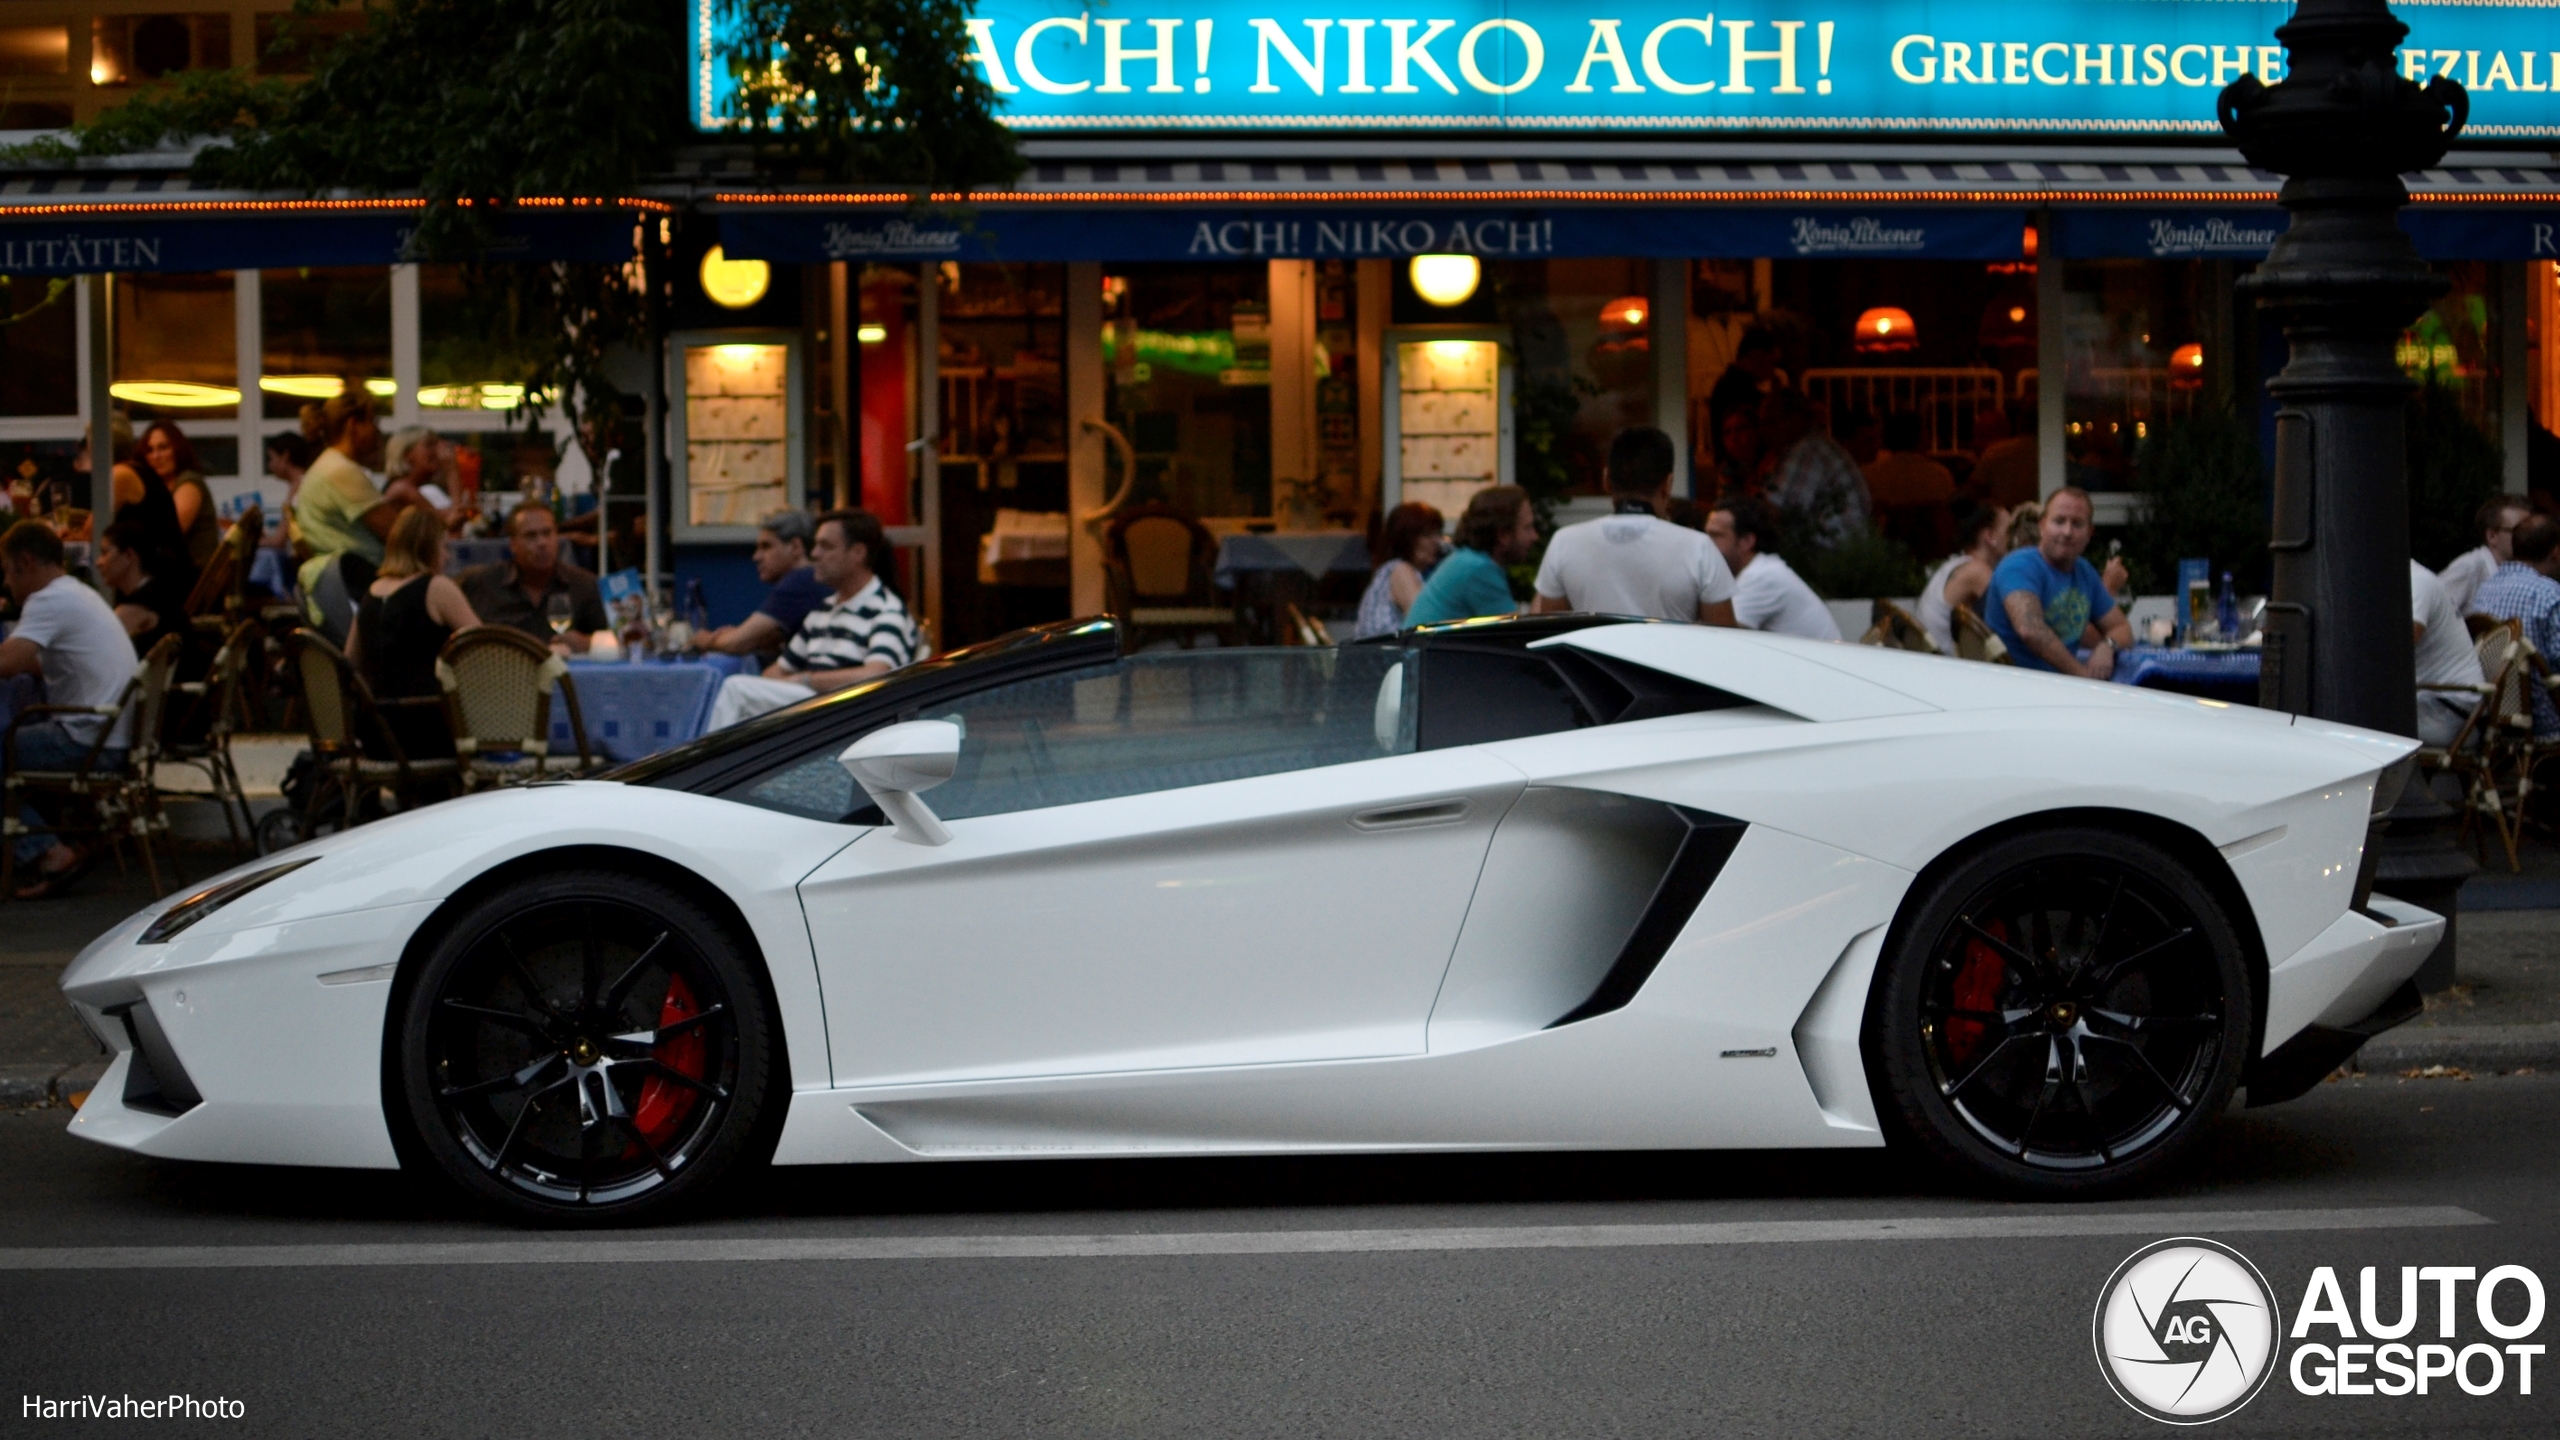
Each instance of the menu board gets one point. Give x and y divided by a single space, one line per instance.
737 442
1448 420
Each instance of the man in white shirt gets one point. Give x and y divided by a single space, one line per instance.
1635 562
2497 525
1767 593
2445 656
68 635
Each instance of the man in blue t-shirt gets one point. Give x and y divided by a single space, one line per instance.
1498 530
782 561
2047 600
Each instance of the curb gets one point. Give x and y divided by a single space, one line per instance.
31 1085
2469 1047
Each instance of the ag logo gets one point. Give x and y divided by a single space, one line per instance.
2186 1331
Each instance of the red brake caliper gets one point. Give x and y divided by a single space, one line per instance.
1977 987
663 1102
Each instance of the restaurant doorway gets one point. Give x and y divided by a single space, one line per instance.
1001 369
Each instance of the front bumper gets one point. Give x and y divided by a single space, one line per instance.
261 1046
2342 989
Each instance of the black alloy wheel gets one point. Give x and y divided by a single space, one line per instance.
2062 1014
585 1049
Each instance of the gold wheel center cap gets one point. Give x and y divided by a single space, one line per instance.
584 1052
2063 1012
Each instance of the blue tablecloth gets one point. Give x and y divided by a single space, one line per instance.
1314 553
16 693
635 710
2230 675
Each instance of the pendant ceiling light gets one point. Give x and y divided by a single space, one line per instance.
1446 280
1886 330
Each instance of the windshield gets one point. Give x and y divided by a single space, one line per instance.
886 690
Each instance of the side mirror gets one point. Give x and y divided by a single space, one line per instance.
893 764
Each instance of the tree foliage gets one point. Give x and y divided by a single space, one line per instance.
2453 470
473 104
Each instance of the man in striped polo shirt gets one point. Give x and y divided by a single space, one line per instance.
862 631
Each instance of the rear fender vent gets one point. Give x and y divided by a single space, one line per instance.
154 1081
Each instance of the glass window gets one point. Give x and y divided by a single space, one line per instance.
1582 332
132 49
323 325
35 50
469 354
39 347
1187 356
1142 724
2453 347
175 355
2136 358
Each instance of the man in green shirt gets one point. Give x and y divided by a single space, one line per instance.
1498 530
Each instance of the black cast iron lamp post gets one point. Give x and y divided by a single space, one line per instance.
2344 281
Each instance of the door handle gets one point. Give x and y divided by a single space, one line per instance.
1412 816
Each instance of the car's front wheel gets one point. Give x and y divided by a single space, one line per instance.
584 1048
2062 1015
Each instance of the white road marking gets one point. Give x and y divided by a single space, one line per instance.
2046 1225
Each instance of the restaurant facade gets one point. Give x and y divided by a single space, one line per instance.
1280 269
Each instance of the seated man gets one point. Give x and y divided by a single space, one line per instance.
1962 579
2445 656
782 561
68 635
2464 573
861 631
518 590
2047 597
1498 530
1635 562
2524 589
1767 593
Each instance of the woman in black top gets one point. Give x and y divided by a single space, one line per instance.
173 457
407 614
149 602
143 497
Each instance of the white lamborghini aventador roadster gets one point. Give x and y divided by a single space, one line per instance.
1549 883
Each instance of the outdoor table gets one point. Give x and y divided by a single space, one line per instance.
2229 675
636 709
1313 553
1277 568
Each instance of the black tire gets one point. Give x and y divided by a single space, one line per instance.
584 1049
2060 1015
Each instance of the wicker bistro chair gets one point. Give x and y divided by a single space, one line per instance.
338 710
497 694
2490 756
1894 629
199 737
118 796
1975 639
1156 564
222 586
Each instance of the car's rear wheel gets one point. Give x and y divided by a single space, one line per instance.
583 1049
2062 1015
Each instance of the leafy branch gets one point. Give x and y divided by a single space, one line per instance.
581 100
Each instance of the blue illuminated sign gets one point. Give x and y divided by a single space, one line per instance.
2086 67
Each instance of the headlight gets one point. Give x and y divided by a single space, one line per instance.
213 897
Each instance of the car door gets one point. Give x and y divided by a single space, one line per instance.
1220 857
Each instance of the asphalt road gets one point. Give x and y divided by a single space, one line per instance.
1260 1300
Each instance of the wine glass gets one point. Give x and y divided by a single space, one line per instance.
559 611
